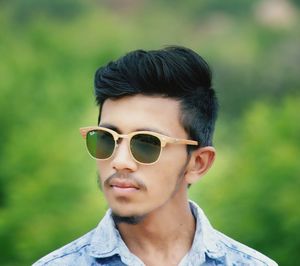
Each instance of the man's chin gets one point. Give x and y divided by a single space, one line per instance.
130 219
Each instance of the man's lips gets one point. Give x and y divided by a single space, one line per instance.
123 184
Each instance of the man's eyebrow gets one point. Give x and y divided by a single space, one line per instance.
110 126
152 130
115 128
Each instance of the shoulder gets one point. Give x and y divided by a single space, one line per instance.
68 254
240 254
221 248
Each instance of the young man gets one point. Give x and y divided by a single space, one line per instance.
153 140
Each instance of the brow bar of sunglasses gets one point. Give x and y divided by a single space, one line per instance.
85 130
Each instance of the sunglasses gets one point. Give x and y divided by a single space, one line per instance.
145 146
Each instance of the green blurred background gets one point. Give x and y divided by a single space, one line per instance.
49 51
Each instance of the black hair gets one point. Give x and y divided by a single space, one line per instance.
173 72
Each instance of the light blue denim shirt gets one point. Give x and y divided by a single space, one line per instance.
104 246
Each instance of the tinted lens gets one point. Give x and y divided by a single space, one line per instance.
145 148
100 144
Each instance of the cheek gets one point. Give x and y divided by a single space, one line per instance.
103 170
163 176
173 159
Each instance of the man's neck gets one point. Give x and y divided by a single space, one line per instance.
165 235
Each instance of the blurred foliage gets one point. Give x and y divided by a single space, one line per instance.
253 190
26 11
49 51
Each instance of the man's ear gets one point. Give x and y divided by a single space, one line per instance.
200 162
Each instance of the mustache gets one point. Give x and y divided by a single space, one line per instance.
124 176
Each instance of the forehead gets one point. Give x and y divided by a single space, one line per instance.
132 113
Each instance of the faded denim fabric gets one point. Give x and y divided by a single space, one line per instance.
104 246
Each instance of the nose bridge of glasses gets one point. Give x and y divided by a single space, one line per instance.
122 150
118 136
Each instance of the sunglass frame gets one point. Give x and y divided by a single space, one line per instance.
164 140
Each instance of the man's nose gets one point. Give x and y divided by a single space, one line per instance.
122 159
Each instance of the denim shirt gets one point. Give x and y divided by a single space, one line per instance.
104 246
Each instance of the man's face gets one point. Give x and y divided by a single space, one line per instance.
134 189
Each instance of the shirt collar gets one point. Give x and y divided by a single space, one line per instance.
206 241
106 240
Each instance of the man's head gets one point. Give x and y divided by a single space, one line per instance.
175 72
167 92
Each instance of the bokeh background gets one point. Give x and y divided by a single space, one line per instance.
49 51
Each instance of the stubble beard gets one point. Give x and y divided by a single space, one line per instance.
136 219
132 220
